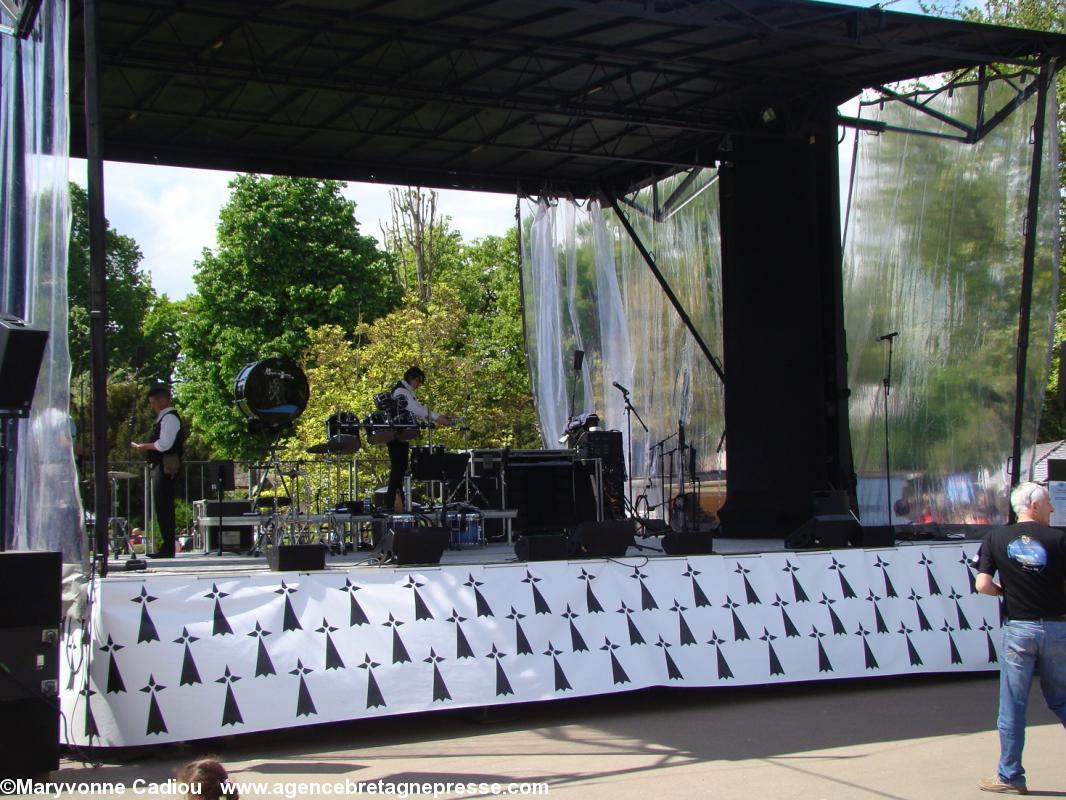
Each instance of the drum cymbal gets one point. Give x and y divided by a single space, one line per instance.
342 443
120 476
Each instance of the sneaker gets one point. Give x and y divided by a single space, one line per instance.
1002 787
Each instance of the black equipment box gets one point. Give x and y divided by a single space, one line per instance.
30 618
296 557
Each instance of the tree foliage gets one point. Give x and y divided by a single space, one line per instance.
129 291
290 259
345 375
417 239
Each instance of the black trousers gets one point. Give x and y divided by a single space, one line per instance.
163 496
399 455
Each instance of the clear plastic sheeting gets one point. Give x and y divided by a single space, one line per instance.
934 251
35 225
588 288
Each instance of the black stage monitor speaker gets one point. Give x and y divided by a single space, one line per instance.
688 543
413 545
874 536
29 662
608 539
296 557
825 531
542 547
21 351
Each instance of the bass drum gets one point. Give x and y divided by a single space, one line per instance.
273 391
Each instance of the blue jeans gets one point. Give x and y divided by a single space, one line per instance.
1026 644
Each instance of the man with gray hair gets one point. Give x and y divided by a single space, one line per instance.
1030 558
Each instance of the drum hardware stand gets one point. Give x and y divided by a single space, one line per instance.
663 491
275 525
630 412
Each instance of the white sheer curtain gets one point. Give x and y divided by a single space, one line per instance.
35 214
577 255
934 251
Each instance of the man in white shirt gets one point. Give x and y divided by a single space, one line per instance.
167 440
399 451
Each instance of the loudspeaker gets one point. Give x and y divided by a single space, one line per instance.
874 536
413 545
30 619
542 547
608 539
296 557
21 351
688 543
825 531
607 446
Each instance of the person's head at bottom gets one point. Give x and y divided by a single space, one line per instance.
205 777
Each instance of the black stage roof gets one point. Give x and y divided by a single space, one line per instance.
496 95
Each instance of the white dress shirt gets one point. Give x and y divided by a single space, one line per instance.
168 429
415 407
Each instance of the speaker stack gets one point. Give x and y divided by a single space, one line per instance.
607 446
29 662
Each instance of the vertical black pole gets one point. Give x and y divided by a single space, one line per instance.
97 279
1028 257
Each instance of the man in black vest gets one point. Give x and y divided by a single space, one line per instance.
164 454
1030 558
399 451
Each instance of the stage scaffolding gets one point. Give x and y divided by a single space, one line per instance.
950 236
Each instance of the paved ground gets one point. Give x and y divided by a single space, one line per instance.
915 738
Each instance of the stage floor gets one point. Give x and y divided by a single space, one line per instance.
491 553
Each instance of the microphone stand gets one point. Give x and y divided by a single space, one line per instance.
630 412
664 502
886 382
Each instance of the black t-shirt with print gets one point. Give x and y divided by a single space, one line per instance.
1031 561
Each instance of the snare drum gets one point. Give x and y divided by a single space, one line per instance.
378 428
466 528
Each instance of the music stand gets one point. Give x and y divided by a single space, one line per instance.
220 477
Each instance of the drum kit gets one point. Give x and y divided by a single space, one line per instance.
272 394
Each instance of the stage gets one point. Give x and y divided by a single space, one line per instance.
205 646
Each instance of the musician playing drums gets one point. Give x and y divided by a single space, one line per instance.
399 450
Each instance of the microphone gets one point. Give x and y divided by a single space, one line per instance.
888 336
620 387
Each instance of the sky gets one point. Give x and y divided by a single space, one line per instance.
172 212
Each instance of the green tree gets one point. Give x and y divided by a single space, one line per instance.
290 258
346 375
162 344
487 280
129 291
